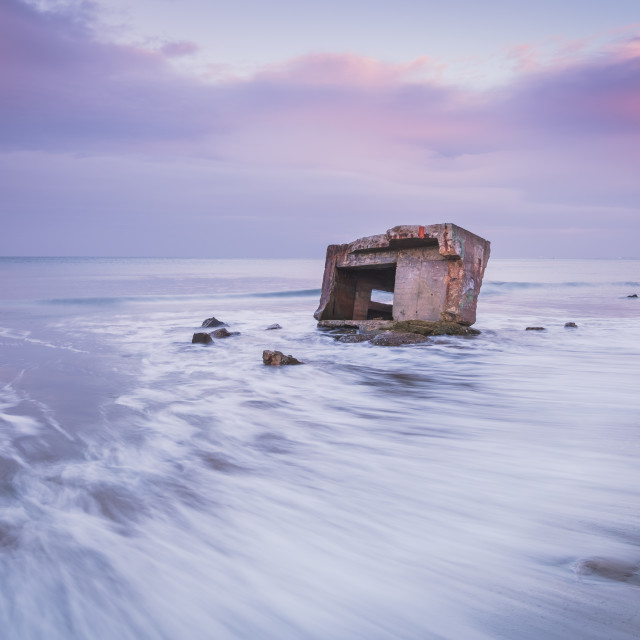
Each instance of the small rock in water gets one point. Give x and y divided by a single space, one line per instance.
633 295
609 568
224 333
201 338
535 329
397 338
354 337
213 322
277 358
572 325
272 327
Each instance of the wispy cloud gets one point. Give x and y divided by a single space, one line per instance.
564 132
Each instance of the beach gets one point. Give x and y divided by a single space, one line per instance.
475 487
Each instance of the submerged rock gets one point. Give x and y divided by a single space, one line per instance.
224 333
277 358
213 322
535 329
354 337
201 338
397 338
571 325
609 568
273 327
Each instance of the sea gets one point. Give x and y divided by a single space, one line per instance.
468 488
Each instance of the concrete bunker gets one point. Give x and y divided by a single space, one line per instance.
434 273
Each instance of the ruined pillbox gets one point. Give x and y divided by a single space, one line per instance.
434 273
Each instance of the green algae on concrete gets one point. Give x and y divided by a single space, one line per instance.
425 328
421 327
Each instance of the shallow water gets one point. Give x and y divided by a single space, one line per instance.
483 487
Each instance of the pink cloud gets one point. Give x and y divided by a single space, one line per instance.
67 88
564 135
628 50
329 69
526 57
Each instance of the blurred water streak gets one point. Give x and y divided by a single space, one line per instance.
483 487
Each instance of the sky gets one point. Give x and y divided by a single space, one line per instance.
195 128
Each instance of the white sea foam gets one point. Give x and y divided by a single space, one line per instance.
464 488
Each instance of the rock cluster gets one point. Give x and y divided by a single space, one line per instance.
568 325
272 358
202 337
388 333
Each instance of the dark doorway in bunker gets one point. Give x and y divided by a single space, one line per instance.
362 282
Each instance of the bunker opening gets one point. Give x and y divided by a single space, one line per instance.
361 303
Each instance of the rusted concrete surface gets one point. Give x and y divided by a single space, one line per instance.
434 273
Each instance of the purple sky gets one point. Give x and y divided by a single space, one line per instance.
166 130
